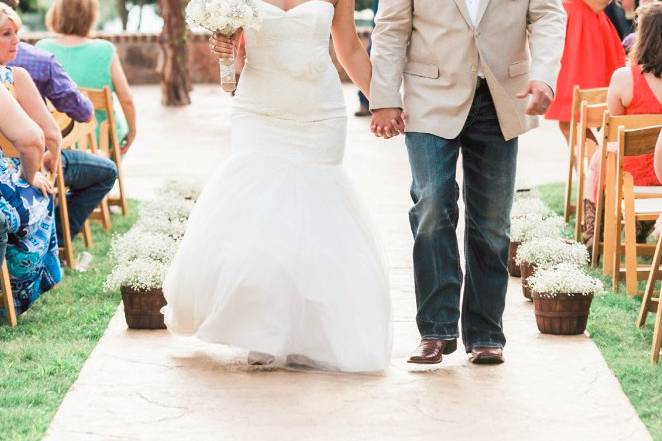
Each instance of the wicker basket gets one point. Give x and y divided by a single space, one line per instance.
526 269
142 308
513 268
562 314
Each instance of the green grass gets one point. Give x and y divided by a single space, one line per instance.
625 347
41 357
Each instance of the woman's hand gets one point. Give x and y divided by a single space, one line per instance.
130 137
224 47
50 161
40 182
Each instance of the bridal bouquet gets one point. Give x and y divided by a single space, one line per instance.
224 17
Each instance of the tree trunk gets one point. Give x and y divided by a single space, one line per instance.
175 80
123 13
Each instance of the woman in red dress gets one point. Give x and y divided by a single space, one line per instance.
635 90
592 52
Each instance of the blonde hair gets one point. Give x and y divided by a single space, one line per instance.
7 13
73 17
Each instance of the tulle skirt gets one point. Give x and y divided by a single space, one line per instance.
279 255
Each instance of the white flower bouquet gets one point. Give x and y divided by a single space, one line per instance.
172 208
530 207
534 226
565 278
140 274
547 252
140 243
224 17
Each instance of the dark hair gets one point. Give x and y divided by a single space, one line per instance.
647 49
11 3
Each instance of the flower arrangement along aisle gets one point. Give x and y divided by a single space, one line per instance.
547 252
143 254
525 227
562 297
224 17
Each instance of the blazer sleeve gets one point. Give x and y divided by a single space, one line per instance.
390 38
546 26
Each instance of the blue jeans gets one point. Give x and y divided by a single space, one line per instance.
489 165
89 178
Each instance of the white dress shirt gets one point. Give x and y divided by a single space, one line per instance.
473 6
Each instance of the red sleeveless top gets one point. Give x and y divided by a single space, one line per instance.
643 101
592 53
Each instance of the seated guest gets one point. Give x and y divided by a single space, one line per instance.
89 177
92 63
634 90
25 193
28 139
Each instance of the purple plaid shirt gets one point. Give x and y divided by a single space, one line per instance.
53 82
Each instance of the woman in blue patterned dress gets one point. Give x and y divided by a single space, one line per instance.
26 201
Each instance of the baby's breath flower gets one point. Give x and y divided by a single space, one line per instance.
547 252
565 278
530 206
534 226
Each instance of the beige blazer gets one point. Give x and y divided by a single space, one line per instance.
435 49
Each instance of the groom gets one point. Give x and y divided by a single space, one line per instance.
475 72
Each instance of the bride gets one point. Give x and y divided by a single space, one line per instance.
278 257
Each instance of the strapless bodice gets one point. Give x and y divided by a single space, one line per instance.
289 72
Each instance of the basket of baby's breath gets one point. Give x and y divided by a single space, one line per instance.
545 253
142 255
562 298
529 227
140 281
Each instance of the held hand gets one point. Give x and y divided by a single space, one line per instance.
41 183
224 47
541 97
50 162
387 123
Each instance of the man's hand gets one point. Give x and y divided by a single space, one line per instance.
50 162
387 123
541 97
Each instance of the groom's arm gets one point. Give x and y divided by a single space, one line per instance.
390 38
547 26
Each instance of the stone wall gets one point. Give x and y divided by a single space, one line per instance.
141 56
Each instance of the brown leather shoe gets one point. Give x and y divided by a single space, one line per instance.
486 355
431 350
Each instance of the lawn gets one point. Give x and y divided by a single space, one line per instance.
625 347
42 357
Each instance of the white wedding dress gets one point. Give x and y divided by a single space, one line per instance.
278 255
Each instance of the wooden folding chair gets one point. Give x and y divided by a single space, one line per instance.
7 297
590 117
652 305
633 206
102 99
605 214
579 97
